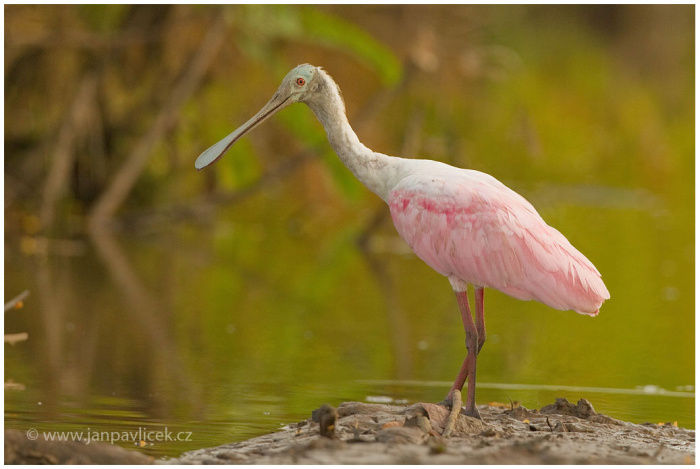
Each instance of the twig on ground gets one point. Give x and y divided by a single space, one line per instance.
454 412
551 429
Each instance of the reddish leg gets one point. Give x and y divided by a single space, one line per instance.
480 323
468 370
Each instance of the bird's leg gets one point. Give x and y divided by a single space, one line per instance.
480 324
468 370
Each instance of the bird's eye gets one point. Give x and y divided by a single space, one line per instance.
301 81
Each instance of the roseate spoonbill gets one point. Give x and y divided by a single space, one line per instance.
464 224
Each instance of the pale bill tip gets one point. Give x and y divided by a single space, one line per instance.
206 158
200 163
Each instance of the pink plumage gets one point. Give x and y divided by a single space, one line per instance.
470 227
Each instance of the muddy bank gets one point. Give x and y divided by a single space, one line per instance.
359 433
560 433
22 450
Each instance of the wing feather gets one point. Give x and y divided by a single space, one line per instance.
476 229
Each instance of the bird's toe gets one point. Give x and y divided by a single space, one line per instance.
471 412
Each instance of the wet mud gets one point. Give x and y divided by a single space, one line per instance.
559 433
360 433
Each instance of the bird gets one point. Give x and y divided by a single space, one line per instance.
463 223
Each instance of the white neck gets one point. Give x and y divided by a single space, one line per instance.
375 170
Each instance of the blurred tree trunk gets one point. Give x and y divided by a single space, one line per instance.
116 193
74 125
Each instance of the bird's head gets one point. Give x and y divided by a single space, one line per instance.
300 85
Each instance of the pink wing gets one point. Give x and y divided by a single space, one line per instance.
471 226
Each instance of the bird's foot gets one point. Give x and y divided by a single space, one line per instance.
472 412
445 403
